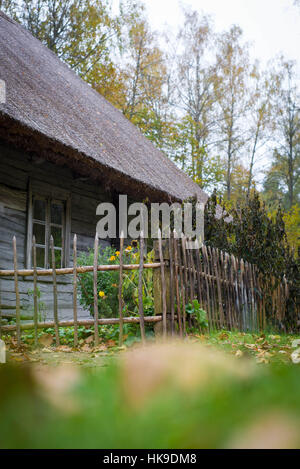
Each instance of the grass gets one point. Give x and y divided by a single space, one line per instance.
263 348
219 390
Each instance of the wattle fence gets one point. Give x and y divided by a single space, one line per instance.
232 292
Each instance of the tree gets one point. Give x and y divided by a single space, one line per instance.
195 91
143 70
257 238
292 224
80 32
282 181
231 91
260 116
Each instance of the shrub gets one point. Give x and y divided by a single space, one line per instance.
108 283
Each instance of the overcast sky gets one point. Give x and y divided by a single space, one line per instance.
273 26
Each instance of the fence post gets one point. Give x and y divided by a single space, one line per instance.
157 287
17 291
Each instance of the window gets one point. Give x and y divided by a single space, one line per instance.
48 217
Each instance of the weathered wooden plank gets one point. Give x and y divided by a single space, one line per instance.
121 333
75 291
12 198
35 292
55 305
140 289
95 271
29 225
17 291
163 285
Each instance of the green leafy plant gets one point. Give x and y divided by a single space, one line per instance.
28 308
108 283
197 313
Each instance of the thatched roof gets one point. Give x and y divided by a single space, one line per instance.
53 111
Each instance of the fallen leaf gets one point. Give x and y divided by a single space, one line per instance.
63 348
264 355
111 343
89 339
223 336
296 356
86 348
100 348
46 340
251 346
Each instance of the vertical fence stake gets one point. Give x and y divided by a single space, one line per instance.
200 280
213 285
55 307
140 289
75 291
35 292
163 285
96 312
120 289
0 313
226 289
172 292
209 295
194 278
177 267
185 271
182 284
17 291
219 290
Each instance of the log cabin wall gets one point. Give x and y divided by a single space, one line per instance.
18 172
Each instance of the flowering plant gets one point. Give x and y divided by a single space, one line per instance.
108 283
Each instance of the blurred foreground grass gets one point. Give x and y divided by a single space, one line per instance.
177 395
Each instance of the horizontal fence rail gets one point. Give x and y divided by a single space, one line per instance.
79 270
75 271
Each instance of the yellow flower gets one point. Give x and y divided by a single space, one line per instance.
101 294
117 253
128 249
113 258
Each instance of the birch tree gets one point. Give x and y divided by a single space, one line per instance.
232 94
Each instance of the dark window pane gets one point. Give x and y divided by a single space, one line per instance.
40 257
58 256
57 236
56 214
39 233
39 210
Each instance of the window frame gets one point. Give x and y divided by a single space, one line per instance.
65 227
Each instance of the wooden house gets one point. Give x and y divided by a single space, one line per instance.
63 150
